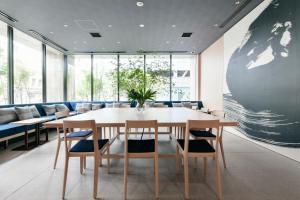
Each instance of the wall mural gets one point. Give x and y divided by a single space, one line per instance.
262 73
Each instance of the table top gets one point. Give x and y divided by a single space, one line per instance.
31 121
116 117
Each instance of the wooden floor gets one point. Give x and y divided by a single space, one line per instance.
254 173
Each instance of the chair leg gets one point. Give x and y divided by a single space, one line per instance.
222 152
96 173
195 162
84 162
204 167
57 151
108 160
125 176
81 164
218 180
177 159
65 176
156 177
186 176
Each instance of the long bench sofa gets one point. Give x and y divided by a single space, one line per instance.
9 130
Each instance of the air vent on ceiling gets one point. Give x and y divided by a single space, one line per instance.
241 7
186 34
95 34
47 40
8 17
87 25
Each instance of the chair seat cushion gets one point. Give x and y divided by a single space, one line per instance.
79 134
141 146
197 146
202 133
87 145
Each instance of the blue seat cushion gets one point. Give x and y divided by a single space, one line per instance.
87 145
79 134
11 129
197 146
141 146
202 133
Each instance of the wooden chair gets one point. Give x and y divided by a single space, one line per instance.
209 135
198 148
83 148
60 138
141 149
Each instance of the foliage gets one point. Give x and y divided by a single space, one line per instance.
141 96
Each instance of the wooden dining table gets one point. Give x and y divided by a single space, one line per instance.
166 118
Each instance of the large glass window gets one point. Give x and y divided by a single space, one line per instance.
184 77
131 74
105 80
79 77
27 69
55 75
3 64
158 75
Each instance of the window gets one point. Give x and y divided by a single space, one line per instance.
79 77
158 75
105 77
3 64
131 74
55 75
27 69
184 77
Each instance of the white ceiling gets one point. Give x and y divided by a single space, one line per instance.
48 17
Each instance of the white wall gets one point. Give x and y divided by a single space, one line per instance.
212 66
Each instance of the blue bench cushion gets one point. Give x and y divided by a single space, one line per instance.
197 146
87 145
141 146
79 134
12 129
202 133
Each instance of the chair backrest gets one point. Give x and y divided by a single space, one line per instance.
136 124
62 114
218 113
70 125
201 124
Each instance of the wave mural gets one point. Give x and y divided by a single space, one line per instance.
262 83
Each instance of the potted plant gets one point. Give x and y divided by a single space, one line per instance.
141 96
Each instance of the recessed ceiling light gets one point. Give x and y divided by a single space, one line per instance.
51 32
118 42
173 26
84 42
109 26
237 2
142 25
66 25
139 3
181 42
168 42
216 25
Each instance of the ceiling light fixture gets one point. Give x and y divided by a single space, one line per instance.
140 4
109 26
8 17
173 26
237 3
118 42
66 25
51 32
142 25
168 42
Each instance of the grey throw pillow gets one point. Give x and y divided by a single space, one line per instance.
34 111
116 105
187 104
87 106
108 105
177 104
61 108
8 115
49 109
96 106
24 113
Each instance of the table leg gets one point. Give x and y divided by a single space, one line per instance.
37 134
26 139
